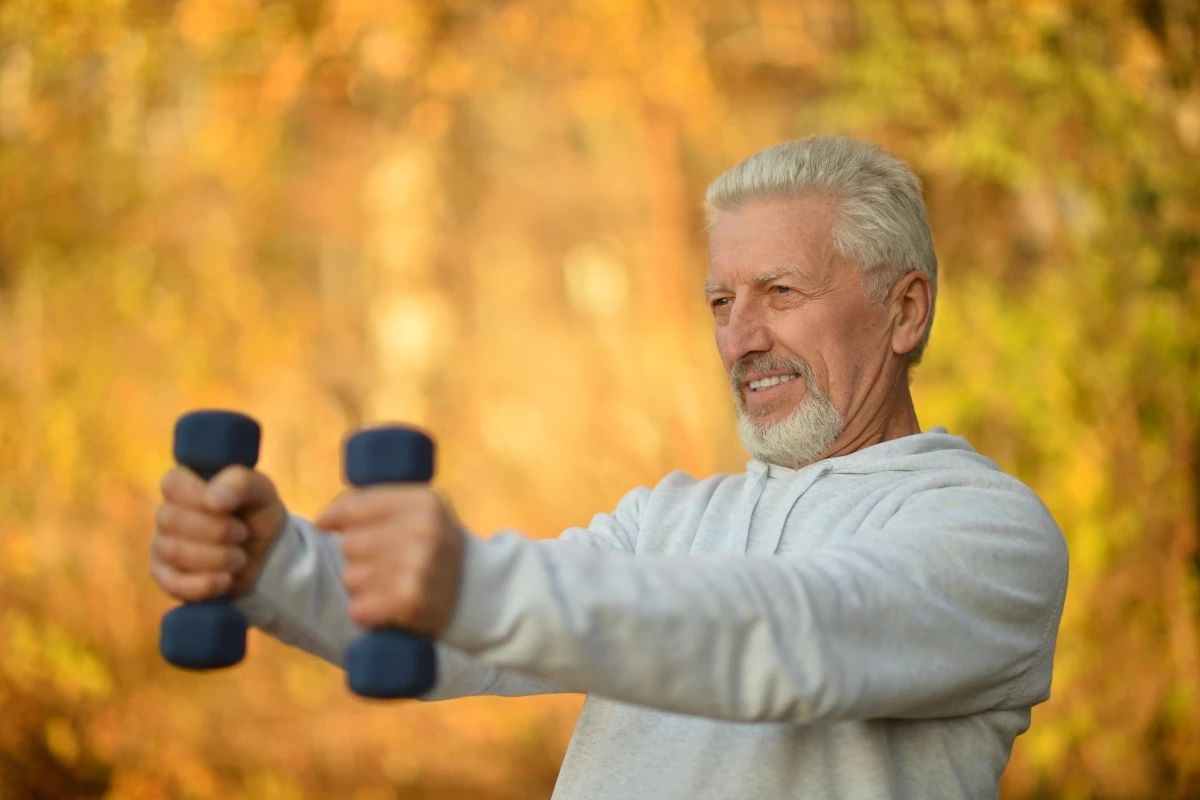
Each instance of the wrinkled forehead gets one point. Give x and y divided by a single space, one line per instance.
765 237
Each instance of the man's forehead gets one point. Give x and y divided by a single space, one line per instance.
764 239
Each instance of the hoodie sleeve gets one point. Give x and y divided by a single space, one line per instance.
299 599
949 608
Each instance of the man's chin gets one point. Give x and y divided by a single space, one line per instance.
765 422
765 418
793 440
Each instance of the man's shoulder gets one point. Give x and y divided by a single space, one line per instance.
934 457
934 469
680 496
681 482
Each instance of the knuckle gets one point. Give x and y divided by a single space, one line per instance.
169 582
156 573
214 583
169 550
166 516
351 546
181 589
430 503
170 481
236 559
237 479
179 484
351 579
236 473
227 490
235 531
361 613
173 584
409 601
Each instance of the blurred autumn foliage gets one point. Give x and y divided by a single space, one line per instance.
485 218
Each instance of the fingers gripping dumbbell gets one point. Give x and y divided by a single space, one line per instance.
210 634
388 663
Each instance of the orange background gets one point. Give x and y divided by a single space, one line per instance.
485 218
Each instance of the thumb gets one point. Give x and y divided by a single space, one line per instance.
236 489
250 495
335 516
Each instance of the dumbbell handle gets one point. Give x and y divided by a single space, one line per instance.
390 663
209 634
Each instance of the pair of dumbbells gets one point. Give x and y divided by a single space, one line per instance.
383 663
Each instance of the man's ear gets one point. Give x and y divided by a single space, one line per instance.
911 307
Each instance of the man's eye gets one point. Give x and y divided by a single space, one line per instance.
778 289
720 302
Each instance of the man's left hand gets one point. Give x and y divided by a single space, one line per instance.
403 552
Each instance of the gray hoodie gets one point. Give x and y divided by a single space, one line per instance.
872 625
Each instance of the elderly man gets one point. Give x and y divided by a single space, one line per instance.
868 610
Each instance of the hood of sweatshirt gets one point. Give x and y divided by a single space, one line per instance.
935 448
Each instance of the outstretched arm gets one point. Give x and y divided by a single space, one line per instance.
299 598
951 608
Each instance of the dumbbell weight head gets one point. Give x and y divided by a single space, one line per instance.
389 454
207 442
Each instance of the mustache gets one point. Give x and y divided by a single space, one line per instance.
768 363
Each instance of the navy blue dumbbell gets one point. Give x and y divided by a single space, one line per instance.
389 663
209 634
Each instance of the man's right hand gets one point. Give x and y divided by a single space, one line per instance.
211 539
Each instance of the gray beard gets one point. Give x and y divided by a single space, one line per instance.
800 438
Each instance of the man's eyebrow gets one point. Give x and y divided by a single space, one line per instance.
767 277
759 281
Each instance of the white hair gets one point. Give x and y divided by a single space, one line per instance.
879 219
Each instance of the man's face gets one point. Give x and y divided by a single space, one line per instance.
802 343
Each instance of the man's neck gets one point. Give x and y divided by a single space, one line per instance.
894 418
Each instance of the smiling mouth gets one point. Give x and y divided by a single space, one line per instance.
767 383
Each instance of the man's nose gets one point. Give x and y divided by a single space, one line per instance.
746 332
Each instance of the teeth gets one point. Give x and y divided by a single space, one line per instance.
774 380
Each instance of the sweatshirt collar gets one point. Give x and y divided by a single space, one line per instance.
886 455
